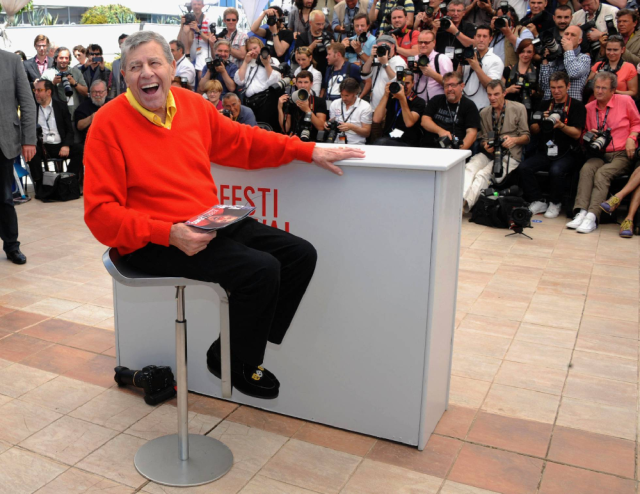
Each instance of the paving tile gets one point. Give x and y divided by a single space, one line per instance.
68 440
379 478
456 421
230 483
480 343
534 377
593 451
271 422
57 358
489 307
311 467
536 354
517 435
612 311
84 293
62 394
490 325
114 461
557 319
450 487
595 417
340 440
560 479
436 459
112 409
19 420
494 470
589 388
594 364
87 314
19 299
75 481
552 286
532 333
467 392
52 307
17 347
607 345
252 448
521 403
206 405
23 472
606 270
97 370
19 379
474 366
53 330
265 485
91 339
17 320
163 420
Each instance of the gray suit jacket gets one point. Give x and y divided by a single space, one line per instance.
117 83
15 91
32 70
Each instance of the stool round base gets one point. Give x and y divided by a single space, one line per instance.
159 461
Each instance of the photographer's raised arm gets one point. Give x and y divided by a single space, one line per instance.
185 35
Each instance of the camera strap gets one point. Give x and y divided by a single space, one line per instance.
498 122
453 116
251 77
355 107
47 117
604 122
565 110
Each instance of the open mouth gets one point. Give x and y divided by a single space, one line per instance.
150 89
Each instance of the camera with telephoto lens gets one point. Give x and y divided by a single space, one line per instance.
495 141
271 20
331 134
300 95
518 217
537 20
428 8
445 22
360 38
611 27
396 86
597 141
547 123
227 113
446 143
324 41
586 27
156 381
68 90
280 85
285 18
501 22
348 30
527 83
548 42
462 54
305 127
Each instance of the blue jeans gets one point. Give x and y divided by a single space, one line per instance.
558 170
8 217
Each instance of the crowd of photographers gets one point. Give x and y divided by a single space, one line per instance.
527 86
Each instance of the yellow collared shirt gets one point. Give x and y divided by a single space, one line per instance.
152 117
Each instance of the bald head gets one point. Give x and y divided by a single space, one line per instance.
574 35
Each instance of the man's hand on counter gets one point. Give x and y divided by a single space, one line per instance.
325 157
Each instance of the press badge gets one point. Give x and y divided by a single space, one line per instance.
552 149
49 138
449 51
396 133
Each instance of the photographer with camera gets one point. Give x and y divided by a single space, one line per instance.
350 116
479 67
507 34
538 19
428 67
96 70
233 35
195 33
223 69
562 20
504 132
451 120
521 79
613 124
305 60
452 32
80 54
559 122
232 107
628 20
70 86
299 18
593 18
358 47
344 14
274 30
478 12
337 71
399 111
626 72
302 114
380 13
318 39
184 67
577 65
382 67
57 131
406 38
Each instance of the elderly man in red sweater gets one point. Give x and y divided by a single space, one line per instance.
144 153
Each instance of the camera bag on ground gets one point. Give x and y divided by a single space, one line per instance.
59 187
495 211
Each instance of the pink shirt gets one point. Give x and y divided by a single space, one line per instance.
426 87
623 118
42 66
625 74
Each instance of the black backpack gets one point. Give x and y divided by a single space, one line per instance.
495 211
59 187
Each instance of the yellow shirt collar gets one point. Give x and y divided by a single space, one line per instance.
152 117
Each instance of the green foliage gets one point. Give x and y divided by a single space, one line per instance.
18 16
109 14
38 17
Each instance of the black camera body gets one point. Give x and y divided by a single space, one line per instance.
501 22
446 143
611 27
462 54
361 38
156 381
546 124
331 134
396 86
324 41
271 20
414 63
597 142
527 83
445 22
227 113
382 51
586 27
189 17
305 128
68 90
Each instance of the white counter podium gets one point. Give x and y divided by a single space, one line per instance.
370 347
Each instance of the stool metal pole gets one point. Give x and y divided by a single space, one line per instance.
225 347
181 375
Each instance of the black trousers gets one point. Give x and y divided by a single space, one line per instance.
35 165
265 270
558 169
8 216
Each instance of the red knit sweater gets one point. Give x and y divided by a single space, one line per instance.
140 178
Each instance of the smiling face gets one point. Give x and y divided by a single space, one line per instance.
223 52
562 19
148 75
233 105
64 57
537 6
398 19
614 51
527 54
231 21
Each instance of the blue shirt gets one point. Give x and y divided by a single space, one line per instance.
247 117
232 68
366 48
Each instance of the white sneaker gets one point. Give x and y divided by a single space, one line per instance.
538 207
577 220
588 224
553 210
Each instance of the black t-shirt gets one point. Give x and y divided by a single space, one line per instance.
545 22
443 115
445 39
318 105
319 53
285 35
576 118
394 120
85 109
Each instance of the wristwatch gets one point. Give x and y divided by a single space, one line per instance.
457 34
385 65
74 85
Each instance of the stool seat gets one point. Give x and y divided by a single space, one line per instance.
170 460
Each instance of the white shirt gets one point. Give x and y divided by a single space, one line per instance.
200 49
256 78
379 79
47 121
317 78
492 66
580 17
184 68
433 88
360 113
